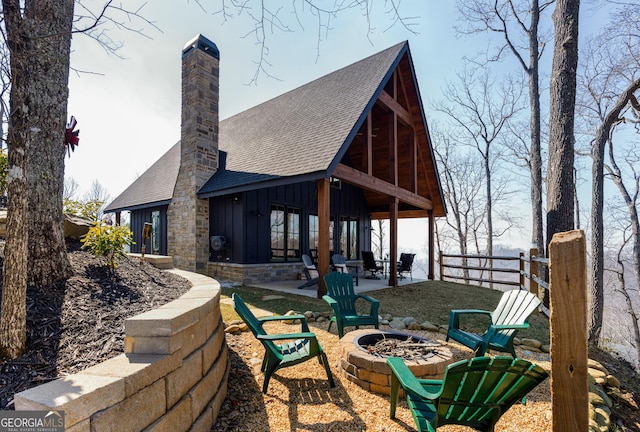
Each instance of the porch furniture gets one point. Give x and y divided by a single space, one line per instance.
405 265
474 393
339 264
297 348
342 299
310 272
510 315
370 265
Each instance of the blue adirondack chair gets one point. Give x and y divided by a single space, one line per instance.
510 315
474 393
297 348
342 299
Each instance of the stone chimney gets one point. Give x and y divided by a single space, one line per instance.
188 216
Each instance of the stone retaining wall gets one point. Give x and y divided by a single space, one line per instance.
172 377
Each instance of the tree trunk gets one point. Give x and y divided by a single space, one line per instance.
39 39
535 126
560 212
597 208
47 91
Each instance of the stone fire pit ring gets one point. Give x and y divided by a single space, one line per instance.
371 371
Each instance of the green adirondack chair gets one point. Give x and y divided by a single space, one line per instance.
510 315
474 393
342 298
297 348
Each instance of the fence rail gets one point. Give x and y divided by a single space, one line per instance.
530 263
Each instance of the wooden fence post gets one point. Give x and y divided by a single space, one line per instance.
441 266
568 322
533 270
521 263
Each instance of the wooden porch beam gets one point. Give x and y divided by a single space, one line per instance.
387 100
368 182
431 251
402 214
369 149
324 242
393 149
393 241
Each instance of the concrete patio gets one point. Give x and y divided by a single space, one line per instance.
364 285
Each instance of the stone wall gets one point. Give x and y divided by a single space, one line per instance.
248 274
172 377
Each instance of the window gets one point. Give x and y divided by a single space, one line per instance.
349 237
155 230
285 233
313 232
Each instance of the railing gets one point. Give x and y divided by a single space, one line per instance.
568 324
476 273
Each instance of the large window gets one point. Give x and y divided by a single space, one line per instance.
313 234
285 233
349 237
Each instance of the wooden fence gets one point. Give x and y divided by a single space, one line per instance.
567 264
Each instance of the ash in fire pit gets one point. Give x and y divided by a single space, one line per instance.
407 347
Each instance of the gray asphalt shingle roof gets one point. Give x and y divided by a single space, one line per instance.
300 133
155 185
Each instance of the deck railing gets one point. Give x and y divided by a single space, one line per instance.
568 321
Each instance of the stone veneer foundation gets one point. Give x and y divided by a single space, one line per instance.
172 377
372 373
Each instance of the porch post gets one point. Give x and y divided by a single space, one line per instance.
431 276
324 217
393 240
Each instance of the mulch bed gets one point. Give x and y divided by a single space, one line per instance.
79 322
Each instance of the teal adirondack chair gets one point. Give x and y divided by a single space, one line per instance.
510 315
342 298
299 348
474 393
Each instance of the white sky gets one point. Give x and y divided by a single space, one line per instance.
128 110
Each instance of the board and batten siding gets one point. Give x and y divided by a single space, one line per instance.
244 218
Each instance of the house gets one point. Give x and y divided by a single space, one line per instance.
242 199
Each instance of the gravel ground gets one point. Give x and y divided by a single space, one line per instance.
300 399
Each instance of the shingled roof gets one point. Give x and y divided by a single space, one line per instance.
300 135
154 187
302 132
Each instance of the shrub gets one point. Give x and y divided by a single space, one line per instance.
88 210
108 241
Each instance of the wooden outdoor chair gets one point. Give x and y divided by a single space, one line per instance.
342 299
310 272
369 264
300 347
474 393
405 265
339 264
510 315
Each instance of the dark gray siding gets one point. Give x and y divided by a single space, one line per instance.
244 218
137 220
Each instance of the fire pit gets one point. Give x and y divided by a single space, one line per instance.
363 357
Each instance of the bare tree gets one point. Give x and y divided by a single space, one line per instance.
270 18
481 112
518 24
462 181
70 188
610 87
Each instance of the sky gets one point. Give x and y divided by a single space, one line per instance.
128 105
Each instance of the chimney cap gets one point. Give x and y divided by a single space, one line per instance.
202 43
